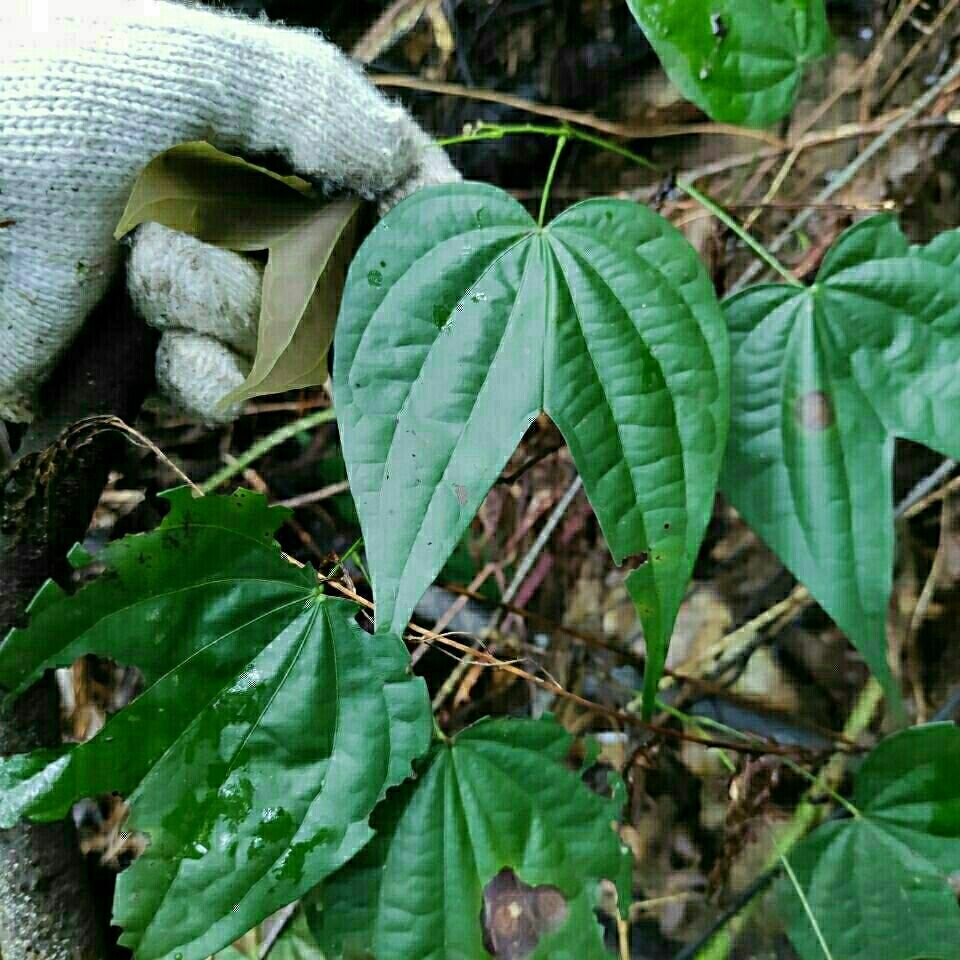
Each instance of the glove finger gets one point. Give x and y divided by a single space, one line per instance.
305 99
51 277
195 372
288 90
177 282
434 167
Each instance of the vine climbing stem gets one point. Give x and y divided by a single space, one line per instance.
486 131
810 813
266 444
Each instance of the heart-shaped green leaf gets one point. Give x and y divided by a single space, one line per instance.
269 726
226 201
879 885
740 61
496 842
462 320
823 380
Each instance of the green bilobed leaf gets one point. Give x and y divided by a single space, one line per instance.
740 61
226 201
498 797
269 727
823 380
461 321
879 885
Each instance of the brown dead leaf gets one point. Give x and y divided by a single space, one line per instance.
515 915
226 201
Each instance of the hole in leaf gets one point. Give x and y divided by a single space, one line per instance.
441 315
814 411
515 915
717 26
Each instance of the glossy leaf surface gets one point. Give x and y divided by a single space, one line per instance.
740 61
823 380
462 320
498 796
880 885
269 726
226 201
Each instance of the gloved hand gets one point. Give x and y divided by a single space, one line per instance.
89 96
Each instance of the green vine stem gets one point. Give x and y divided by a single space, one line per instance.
499 131
809 814
264 446
341 563
708 723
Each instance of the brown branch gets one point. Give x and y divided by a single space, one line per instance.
613 128
48 910
399 18
904 65
622 716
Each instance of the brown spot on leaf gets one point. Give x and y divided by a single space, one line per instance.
515 915
7 223
814 410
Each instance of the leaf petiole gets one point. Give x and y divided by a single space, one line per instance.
338 566
755 245
561 143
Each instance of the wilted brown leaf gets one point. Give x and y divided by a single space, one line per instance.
226 201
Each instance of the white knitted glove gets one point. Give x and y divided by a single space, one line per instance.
90 92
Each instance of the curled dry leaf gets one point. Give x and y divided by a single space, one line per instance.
226 201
